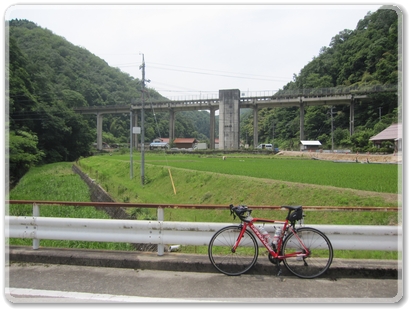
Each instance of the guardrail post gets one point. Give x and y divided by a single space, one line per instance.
36 213
160 217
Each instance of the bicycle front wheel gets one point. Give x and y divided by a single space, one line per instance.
224 259
320 254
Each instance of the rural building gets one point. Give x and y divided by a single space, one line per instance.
310 145
185 143
393 134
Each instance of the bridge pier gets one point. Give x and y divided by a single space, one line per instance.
255 126
229 119
302 112
212 128
171 126
99 131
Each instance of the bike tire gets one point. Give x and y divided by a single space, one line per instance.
221 255
319 259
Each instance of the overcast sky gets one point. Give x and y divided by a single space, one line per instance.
196 50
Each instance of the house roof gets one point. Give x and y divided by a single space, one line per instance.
310 143
184 140
393 132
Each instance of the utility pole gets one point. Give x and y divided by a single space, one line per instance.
131 143
142 67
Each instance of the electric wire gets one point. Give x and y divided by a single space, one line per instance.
208 72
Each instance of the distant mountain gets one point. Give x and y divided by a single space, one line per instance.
48 76
366 56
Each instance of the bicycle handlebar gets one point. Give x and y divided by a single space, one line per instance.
241 211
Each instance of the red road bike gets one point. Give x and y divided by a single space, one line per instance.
306 252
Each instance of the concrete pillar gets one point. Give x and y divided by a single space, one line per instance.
302 135
171 127
99 131
229 119
352 116
212 128
255 126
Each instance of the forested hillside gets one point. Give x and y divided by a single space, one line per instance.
48 76
365 56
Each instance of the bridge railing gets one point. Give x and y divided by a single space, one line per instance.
165 234
335 91
280 94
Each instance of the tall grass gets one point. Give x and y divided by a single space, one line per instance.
203 180
57 182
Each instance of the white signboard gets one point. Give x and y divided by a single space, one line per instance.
136 130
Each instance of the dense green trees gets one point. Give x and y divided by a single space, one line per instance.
47 76
24 153
366 56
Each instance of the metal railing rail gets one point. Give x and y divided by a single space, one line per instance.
163 233
193 206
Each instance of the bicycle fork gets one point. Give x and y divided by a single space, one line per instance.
240 236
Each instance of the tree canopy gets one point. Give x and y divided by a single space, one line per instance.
48 76
368 55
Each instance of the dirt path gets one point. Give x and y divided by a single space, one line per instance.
371 158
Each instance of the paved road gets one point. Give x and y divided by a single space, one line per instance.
73 275
50 283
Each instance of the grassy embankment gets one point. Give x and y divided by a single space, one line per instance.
257 180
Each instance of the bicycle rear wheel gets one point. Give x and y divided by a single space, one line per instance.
320 253
228 262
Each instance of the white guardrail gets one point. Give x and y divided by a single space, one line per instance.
167 233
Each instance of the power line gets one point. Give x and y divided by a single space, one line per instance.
244 76
220 71
210 72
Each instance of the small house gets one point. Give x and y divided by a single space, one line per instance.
310 145
393 134
185 143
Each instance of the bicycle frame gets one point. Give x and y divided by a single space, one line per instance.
275 253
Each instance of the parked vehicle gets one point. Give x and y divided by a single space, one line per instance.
268 147
265 146
159 146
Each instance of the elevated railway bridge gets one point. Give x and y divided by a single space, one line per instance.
229 104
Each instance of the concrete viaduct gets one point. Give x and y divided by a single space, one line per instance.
229 104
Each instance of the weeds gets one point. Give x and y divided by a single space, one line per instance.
251 181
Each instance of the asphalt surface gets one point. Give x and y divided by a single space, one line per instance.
175 261
50 275
46 283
